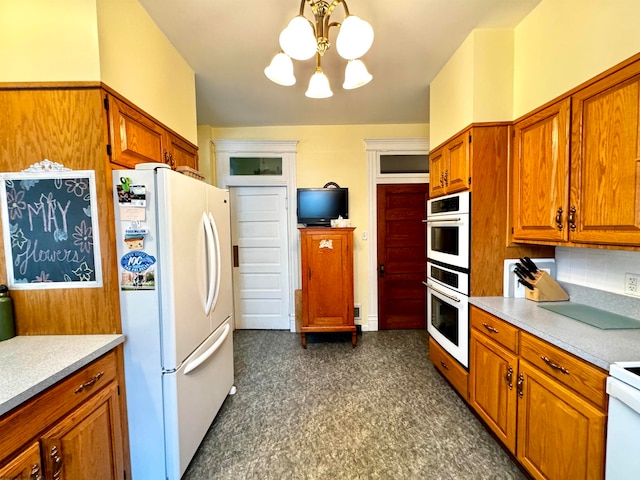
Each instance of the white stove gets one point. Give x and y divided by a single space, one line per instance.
623 427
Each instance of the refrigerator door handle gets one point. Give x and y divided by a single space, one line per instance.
191 366
218 265
212 263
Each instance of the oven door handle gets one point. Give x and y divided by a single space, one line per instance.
443 220
452 297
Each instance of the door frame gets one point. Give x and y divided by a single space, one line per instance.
376 147
286 149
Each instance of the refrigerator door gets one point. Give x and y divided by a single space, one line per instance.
194 394
221 275
183 226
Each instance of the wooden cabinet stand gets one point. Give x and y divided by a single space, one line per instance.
327 281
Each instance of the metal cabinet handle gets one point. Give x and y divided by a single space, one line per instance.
446 177
35 472
555 366
442 179
520 385
90 383
572 218
57 463
444 365
559 218
490 328
509 377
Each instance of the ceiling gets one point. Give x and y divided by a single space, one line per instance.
228 43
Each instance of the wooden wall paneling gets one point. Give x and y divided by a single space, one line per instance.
66 126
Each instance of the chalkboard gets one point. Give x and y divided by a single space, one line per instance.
50 229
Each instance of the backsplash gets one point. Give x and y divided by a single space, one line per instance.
598 269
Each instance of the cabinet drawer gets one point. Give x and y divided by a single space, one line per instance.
449 368
30 419
580 376
25 465
498 330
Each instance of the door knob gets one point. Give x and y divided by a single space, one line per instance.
382 270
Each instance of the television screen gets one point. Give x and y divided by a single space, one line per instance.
317 206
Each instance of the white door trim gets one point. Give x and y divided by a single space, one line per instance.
286 149
376 147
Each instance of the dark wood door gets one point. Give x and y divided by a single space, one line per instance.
402 257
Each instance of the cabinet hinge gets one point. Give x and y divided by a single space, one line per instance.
470 137
106 103
118 387
512 230
108 149
469 181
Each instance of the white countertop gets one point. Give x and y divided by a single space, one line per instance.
30 364
597 346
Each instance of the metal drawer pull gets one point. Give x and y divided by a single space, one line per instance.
554 365
35 472
489 327
509 377
90 383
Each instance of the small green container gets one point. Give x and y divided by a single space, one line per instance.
7 325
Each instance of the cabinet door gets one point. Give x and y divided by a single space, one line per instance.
560 435
88 442
181 153
436 173
26 465
492 381
540 182
456 174
329 271
134 137
605 168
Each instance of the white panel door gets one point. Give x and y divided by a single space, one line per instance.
261 276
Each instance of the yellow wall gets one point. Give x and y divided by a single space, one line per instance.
140 63
47 41
113 41
333 154
563 43
476 84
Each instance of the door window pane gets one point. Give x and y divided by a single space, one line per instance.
404 163
255 166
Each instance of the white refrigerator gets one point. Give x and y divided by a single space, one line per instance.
176 301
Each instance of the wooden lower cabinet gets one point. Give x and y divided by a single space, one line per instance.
327 281
72 430
552 415
450 368
25 465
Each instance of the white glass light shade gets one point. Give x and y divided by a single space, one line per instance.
319 85
354 38
280 70
355 75
298 40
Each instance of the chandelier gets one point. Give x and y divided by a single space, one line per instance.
302 39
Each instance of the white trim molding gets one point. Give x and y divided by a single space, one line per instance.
286 149
376 147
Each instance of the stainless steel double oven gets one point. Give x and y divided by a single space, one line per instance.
448 247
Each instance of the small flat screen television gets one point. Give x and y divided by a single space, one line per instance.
317 206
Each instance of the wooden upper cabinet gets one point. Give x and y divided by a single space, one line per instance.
540 166
137 138
605 168
182 153
449 166
134 137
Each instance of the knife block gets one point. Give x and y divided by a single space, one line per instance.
545 289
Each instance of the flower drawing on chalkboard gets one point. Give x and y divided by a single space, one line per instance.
77 186
83 272
18 239
83 237
15 203
42 278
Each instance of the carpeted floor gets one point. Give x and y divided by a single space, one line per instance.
377 411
